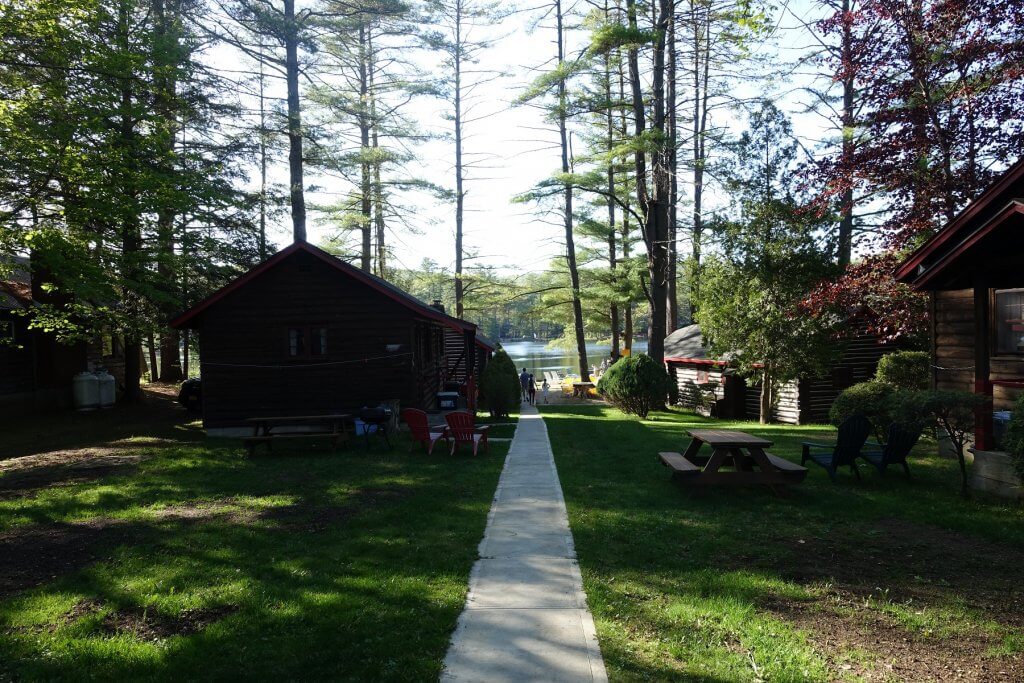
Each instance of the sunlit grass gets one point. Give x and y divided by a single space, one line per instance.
700 585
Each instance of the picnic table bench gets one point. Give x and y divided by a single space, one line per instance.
334 425
743 455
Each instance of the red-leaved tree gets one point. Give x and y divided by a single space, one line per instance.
940 91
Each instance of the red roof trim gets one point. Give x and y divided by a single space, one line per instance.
423 309
697 361
1012 175
940 265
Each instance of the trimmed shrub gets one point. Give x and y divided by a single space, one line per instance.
1013 440
499 385
635 384
904 369
871 399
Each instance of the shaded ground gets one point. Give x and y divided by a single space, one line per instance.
887 580
33 555
68 436
154 556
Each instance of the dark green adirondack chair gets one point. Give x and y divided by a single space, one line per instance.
843 453
896 449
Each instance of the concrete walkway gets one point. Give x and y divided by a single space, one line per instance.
526 617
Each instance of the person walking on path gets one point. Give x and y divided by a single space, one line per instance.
524 383
544 388
532 391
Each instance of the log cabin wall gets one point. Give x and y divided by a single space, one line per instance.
787 405
857 363
246 368
688 377
953 341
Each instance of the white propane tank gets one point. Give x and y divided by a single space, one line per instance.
86 389
106 388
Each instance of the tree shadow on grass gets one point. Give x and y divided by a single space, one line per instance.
315 567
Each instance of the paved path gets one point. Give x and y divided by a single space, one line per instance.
526 617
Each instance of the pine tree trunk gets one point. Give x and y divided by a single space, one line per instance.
570 244
295 156
672 304
365 185
378 187
154 374
701 88
658 204
613 312
131 237
165 59
263 170
460 195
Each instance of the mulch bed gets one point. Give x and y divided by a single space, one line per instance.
311 516
143 623
909 563
36 554
27 476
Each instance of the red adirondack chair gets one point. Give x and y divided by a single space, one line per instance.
462 429
421 430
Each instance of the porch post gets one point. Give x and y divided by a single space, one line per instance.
982 381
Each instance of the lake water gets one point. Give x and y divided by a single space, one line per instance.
537 358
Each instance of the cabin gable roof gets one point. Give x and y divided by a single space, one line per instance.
999 206
190 317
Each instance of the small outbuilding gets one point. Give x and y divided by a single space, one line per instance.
36 370
803 401
974 270
307 333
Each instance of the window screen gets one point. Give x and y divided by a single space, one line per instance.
1009 321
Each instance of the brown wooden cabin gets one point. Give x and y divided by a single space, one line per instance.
803 401
306 333
36 370
974 270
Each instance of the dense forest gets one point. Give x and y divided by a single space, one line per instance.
148 147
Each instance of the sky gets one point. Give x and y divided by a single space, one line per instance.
520 148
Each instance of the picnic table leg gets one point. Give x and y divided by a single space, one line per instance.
739 460
692 449
758 455
717 459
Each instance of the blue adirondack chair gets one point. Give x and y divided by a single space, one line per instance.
896 449
843 453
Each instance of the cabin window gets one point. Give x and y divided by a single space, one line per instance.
307 342
1009 320
318 341
297 342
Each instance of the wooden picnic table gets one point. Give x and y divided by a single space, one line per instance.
333 425
580 389
743 455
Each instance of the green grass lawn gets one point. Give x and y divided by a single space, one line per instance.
194 562
887 579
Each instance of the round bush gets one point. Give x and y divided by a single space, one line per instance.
904 369
635 384
499 385
870 399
